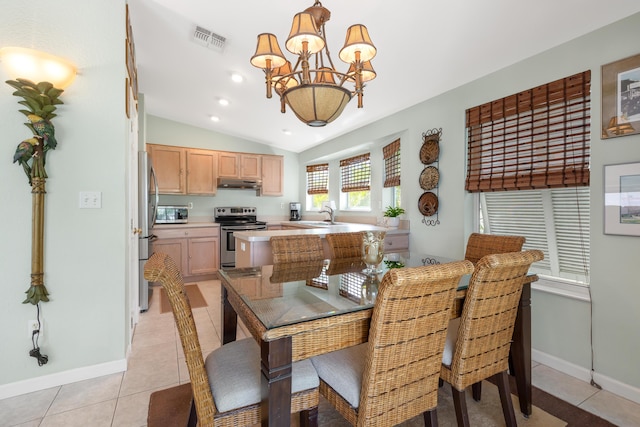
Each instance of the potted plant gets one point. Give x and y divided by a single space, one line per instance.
392 214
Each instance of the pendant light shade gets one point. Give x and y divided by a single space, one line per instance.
357 40
317 105
268 53
303 29
367 73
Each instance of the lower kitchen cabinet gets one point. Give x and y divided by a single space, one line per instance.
196 250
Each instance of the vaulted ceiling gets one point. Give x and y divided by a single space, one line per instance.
425 48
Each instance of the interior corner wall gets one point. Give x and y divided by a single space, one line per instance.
560 325
84 249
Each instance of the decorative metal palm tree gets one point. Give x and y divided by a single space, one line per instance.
40 100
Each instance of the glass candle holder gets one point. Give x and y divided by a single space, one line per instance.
372 250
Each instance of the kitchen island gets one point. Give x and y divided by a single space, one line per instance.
253 247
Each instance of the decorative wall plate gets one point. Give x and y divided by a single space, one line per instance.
429 178
430 151
428 204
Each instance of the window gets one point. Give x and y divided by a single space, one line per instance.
355 174
556 221
317 185
391 155
528 157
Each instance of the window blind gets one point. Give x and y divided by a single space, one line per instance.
355 173
318 179
556 221
538 138
391 154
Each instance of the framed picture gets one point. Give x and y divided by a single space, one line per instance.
621 97
622 199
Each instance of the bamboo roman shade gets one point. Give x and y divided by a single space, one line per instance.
318 179
355 173
538 138
391 154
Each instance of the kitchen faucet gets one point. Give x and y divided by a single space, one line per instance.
331 213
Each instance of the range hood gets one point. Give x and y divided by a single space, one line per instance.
243 184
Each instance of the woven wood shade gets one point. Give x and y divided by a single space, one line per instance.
355 173
538 138
318 179
391 154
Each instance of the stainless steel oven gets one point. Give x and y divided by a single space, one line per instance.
232 219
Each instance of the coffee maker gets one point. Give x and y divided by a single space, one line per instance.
295 211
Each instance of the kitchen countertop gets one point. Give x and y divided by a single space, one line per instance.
312 227
188 224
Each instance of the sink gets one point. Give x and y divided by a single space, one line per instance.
315 223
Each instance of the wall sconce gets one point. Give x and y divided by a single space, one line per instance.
37 66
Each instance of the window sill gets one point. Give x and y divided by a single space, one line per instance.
562 288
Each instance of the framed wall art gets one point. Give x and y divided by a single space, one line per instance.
622 199
621 97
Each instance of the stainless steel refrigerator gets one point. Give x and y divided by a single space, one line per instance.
147 210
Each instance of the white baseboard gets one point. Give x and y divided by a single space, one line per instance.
62 378
607 383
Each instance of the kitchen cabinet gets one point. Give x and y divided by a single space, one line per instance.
170 164
202 172
272 175
239 165
196 250
181 170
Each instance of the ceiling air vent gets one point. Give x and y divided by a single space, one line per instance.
209 39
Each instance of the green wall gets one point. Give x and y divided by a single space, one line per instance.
85 265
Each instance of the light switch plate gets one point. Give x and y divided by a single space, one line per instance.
90 200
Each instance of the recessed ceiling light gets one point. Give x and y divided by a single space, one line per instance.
223 101
286 131
215 118
237 78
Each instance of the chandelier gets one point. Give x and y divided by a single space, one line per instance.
316 95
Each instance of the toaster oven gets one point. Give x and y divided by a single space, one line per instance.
172 215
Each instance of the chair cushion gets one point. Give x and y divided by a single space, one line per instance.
450 344
234 375
342 370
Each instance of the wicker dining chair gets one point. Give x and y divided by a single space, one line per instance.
479 245
304 247
394 376
227 387
345 245
478 348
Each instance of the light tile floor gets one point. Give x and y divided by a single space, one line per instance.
157 362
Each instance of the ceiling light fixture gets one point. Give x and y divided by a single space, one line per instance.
317 95
215 118
223 102
237 77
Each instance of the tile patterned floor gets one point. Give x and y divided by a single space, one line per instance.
157 362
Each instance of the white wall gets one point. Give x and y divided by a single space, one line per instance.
560 325
84 265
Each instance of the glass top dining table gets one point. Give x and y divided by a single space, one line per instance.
289 293
299 310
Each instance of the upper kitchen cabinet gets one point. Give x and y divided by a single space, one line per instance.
239 165
182 170
170 164
272 175
202 174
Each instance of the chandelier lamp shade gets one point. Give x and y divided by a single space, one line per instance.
317 95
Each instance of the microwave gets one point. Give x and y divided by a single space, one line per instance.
172 215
